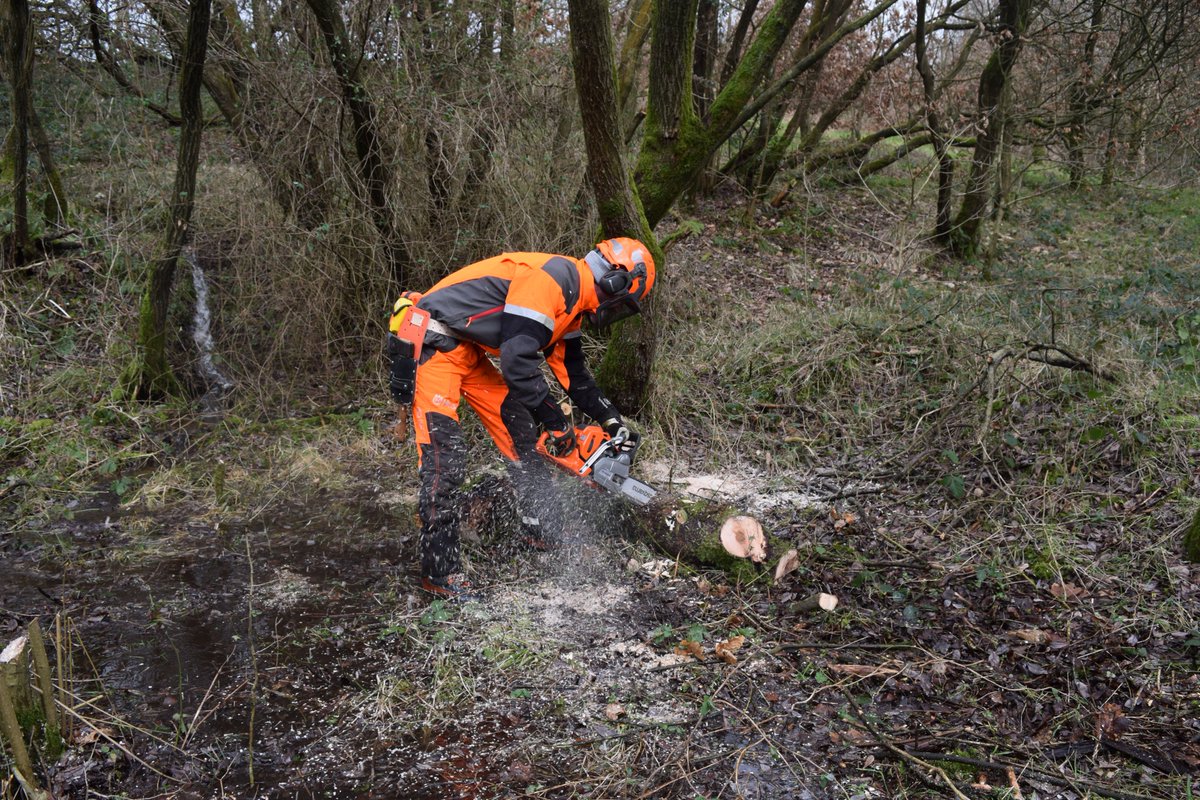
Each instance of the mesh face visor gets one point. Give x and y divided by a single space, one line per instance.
615 310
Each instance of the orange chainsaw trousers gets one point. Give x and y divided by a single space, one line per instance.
446 378
442 381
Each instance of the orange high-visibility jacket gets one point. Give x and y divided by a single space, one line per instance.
523 306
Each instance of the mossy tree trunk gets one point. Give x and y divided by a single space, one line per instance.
1080 100
937 134
625 372
967 229
630 59
150 375
677 144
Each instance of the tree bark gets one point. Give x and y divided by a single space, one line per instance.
631 57
1080 100
734 53
967 228
150 375
55 208
20 53
677 145
705 56
625 372
941 154
374 169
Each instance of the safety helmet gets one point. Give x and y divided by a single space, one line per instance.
624 272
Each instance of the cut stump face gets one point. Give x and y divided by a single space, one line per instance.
743 537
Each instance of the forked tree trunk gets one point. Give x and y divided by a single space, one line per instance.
945 166
150 375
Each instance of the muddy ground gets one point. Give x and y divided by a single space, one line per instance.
290 655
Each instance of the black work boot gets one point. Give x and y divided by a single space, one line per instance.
456 587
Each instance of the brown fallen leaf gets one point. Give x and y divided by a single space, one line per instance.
1111 722
689 648
725 650
1031 635
841 520
865 670
1067 591
614 711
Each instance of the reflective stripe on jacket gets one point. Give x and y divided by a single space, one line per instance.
522 306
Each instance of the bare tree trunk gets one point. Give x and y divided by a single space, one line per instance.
150 375
941 227
734 53
705 56
20 53
625 372
374 169
630 58
55 208
1080 99
967 228
1110 145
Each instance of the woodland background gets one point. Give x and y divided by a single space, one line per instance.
928 304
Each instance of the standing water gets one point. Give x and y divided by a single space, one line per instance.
217 383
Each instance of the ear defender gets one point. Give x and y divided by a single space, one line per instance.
615 282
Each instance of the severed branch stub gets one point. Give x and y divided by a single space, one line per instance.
820 601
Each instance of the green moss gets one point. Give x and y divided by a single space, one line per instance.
710 553
1191 540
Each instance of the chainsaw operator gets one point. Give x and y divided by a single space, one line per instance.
521 307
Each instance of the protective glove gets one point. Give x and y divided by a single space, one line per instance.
562 433
615 428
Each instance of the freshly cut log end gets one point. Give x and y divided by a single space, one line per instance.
743 537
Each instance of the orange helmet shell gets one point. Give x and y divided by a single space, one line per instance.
633 257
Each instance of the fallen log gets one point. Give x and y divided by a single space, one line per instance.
685 530
691 531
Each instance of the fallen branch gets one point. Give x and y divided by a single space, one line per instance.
904 754
1002 768
1045 354
1049 354
819 601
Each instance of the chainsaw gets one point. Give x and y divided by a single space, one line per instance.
604 460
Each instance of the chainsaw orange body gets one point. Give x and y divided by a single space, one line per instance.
587 438
603 460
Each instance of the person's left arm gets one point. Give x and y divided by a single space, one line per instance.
569 366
